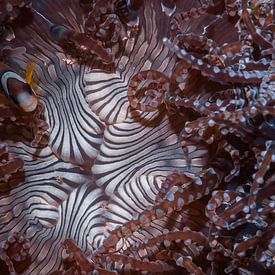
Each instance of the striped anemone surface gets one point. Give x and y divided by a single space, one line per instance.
98 150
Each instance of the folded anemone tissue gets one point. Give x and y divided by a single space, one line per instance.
137 137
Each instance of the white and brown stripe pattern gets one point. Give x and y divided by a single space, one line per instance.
104 161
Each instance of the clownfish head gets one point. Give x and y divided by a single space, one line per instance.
19 91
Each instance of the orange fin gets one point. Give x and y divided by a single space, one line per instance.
29 74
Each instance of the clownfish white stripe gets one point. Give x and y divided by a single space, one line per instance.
8 75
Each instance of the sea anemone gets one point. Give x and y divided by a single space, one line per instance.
137 137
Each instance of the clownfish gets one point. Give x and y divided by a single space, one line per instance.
17 89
